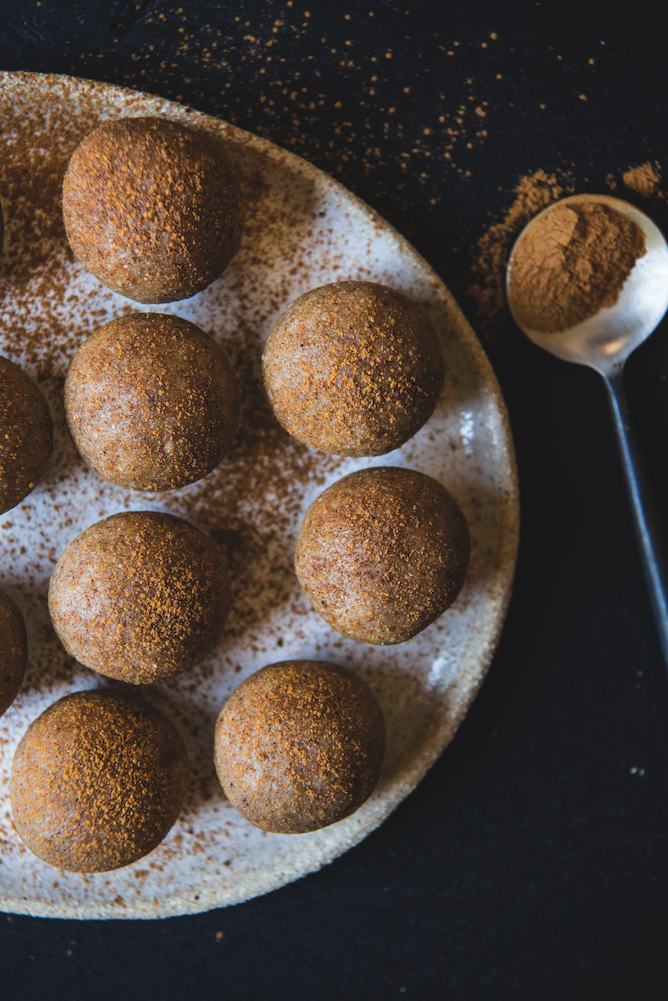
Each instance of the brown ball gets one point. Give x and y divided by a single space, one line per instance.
97 782
140 596
299 745
353 368
152 208
382 553
26 434
14 657
152 402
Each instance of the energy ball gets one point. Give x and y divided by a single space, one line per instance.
26 434
382 553
353 368
299 745
151 401
152 208
14 656
97 782
140 596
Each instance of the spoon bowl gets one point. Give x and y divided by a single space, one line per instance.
605 340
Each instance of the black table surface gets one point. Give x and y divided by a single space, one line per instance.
531 861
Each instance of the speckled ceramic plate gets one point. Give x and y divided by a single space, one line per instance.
303 230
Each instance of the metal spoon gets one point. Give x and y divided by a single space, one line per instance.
604 342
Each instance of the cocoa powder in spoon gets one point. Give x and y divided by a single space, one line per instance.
572 262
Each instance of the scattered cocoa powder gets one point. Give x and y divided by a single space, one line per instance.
570 263
645 179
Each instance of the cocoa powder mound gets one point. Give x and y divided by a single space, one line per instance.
571 262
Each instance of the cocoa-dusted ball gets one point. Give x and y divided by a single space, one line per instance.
14 655
26 434
97 781
140 596
382 553
152 402
353 368
299 745
152 208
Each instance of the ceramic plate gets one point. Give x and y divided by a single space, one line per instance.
303 229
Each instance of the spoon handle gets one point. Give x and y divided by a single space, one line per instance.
646 521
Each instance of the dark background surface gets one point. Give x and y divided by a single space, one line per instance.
532 860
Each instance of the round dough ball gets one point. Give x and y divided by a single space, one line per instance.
382 553
140 596
14 647
152 402
152 208
97 781
299 745
353 368
26 434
